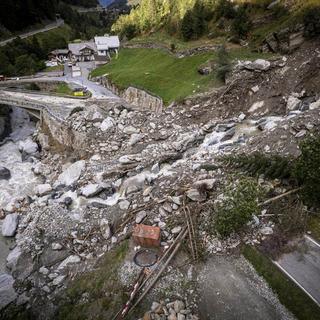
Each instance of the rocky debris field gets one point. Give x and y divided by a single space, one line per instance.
175 310
139 167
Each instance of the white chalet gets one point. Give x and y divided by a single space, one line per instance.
107 44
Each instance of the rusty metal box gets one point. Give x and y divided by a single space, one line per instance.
146 236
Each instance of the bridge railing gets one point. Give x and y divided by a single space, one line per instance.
33 105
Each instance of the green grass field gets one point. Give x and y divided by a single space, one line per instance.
163 74
54 68
63 88
289 294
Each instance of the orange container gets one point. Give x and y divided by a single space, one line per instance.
146 236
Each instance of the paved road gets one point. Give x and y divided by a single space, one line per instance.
230 289
48 27
303 266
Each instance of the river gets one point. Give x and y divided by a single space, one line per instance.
22 181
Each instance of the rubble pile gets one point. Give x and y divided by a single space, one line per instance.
176 310
140 167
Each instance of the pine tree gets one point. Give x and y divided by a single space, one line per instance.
187 26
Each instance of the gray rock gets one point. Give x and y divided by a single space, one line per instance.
107 124
28 146
13 257
135 138
4 173
43 189
70 260
10 225
7 292
140 216
266 231
195 195
124 205
58 280
44 270
257 65
176 230
293 103
301 134
131 130
91 190
72 173
178 306
107 232
56 246
155 306
127 159
181 316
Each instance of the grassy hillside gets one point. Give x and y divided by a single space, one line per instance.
163 74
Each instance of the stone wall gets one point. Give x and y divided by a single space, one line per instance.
135 96
5 126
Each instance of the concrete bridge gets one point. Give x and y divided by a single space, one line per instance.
58 108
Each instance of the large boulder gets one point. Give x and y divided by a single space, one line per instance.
107 124
43 189
10 224
72 173
7 292
28 146
91 190
13 257
4 173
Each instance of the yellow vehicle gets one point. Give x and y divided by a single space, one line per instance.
78 93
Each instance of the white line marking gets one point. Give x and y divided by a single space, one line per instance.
312 240
296 282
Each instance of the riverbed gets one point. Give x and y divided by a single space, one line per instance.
23 180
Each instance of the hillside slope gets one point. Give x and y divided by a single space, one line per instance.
234 21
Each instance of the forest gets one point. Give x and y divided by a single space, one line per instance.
26 56
16 15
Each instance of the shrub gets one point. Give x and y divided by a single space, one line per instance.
273 166
33 86
307 170
129 31
224 9
238 207
311 22
241 24
224 63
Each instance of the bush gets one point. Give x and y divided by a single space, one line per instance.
241 24
307 170
311 22
224 9
224 64
33 87
237 209
273 167
129 31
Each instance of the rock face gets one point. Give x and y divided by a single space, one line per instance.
4 173
72 174
10 225
7 292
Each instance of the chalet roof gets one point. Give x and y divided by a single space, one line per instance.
106 42
60 51
75 48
